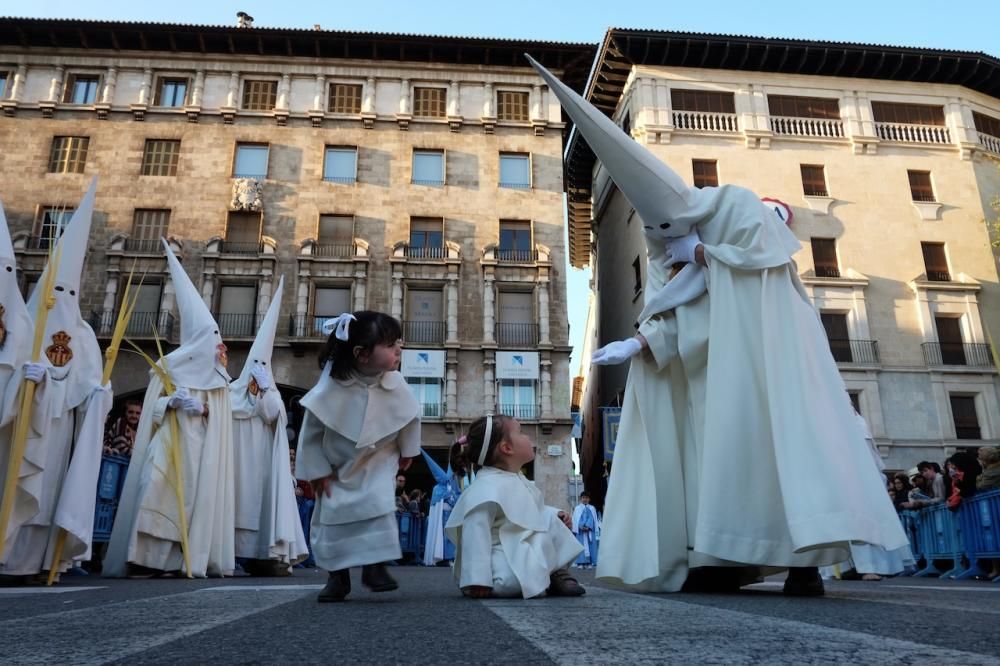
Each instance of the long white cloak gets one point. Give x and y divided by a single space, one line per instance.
267 516
737 452
506 538
147 526
359 428
586 539
58 476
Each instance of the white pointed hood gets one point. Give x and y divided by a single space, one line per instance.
69 344
195 364
263 344
15 323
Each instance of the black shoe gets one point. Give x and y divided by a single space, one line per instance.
337 587
561 584
804 582
377 579
714 580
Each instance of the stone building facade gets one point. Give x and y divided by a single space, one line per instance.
890 166
420 176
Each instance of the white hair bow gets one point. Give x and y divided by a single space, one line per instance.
339 324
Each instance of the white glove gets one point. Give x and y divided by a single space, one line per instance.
616 352
177 399
34 372
681 250
262 375
193 406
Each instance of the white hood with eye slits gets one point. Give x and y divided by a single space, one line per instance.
15 339
263 344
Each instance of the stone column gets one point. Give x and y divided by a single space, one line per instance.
302 303
110 300
199 88
397 293
264 296
109 85
404 96
489 384
234 90
454 100
145 88
284 87
543 312
489 310
536 103
17 87
488 105
208 289
451 390
168 298
319 103
368 96
55 86
451 294
546 389
360 288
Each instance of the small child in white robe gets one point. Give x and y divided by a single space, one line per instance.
361 426
508 542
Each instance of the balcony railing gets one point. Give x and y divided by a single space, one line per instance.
517 335
423 332
911 133
429 183
426 252
973 355
333 250
241 248
140 325
811 127
703 121
990 142
343 180
938 276
827 271
858 352
432 409
516 256
307 326
520 411
515 185
237 325
143 245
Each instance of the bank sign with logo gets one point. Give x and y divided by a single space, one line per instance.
517 365
422 363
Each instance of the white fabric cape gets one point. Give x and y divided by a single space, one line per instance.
147 525
267 516
737 451
523 533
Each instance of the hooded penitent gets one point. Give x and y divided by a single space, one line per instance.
69 344
197 363
263 345
15 322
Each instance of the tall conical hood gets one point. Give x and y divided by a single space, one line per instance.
15 322
263 344
197 363
440 476
659 196
68 343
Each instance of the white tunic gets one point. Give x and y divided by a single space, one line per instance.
267 518
359 429
147 526
506 538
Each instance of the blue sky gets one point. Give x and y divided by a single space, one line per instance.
965 26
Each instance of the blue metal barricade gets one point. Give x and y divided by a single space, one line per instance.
411 533
109 491
939 538
979 517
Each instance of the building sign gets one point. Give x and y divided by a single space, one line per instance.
422 363
610 418
517 365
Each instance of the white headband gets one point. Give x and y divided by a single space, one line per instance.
486 441
340 323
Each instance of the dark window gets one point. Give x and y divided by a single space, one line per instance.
813 180
706 173
835 324
243 229
627 124
855 400
429 102
340 164
260 95
949 333
251 160
344 98
512 106
986 124
51 225
803 107
149 225
921 188
702 100
963 411
426 237
81 89
825 257
160 157
171 92
515 240
68 154
936 262
637 271
3 84
912 114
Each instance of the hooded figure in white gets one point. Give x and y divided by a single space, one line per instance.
147 529
62 456
267 517
762 407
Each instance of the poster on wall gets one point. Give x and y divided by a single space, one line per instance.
610 418
422 363
517 365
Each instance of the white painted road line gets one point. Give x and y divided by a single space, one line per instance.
260 588
45 590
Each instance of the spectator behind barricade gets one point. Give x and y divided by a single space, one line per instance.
416 503
900 491
989 458
402 499
305 497
119 434
918 485
934 486
963 470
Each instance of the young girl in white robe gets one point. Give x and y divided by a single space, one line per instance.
361 426
508 542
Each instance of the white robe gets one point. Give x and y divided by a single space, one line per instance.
506 538
358 428
736 452
586 539
58 476
147 526
267 515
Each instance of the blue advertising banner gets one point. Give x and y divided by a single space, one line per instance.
610 418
